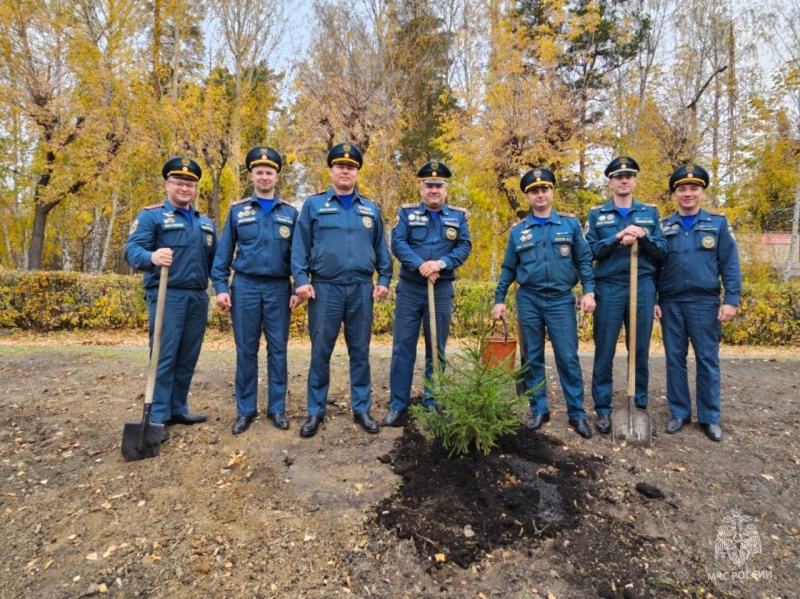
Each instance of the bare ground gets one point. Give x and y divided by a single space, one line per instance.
268 514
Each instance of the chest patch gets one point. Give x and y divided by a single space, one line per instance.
451 233
606 219
209 240
367 221
565 250
284 231
708 241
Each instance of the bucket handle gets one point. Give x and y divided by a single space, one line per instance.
505 329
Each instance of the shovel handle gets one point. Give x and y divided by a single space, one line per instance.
434 341
634 299
154 354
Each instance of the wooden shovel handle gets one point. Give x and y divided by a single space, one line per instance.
634 293
154 354
432 312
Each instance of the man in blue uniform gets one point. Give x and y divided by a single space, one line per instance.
546 254
701 251
430 239
610 230
338 245
259 230
175 234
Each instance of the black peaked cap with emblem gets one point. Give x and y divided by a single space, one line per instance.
537 177
689 174
263 156
622 165
185 168
434 172
345 154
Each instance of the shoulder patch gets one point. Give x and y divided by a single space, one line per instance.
567 214
410 206
597 207
152 206
242 201
650 205
459 209
519 222
716 214
285 203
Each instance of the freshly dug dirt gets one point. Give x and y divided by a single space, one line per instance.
346 514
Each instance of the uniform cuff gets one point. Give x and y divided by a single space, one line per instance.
300 280
731 299
222 289
384 281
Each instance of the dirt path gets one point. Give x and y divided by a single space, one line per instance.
268 514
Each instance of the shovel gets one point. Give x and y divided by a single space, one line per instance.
632 424
142 440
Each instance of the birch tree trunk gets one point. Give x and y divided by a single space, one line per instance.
790 261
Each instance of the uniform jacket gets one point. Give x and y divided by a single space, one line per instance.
613 260
546 259
335 245
698 258
417 238
193 245
262 242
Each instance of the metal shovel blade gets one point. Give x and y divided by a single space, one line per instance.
142 440
632 425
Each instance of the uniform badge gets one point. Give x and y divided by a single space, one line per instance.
284 231
263 152
210 240
367 222
185 162
537 173
601 217
412 217
709 242
690 168
434 165
134 224
451 233
240 214
346 147
564 249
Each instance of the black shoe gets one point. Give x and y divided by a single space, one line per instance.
394 418
165 432
712 431
537 421
187 419
366 422
279 421
581 427
676 424
310 426
603 423
241 424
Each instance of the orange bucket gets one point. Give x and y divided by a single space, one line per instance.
499 350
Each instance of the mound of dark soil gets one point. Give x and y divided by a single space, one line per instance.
464 507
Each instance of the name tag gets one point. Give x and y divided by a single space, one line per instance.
330 210
286 220
643 221
245 220
451 222
366 210
416 223
524 246
562 238
176 225
207 228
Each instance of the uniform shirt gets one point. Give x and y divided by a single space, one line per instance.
418 236
193 243
698 258
262 242
613 260
546 259
337 245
